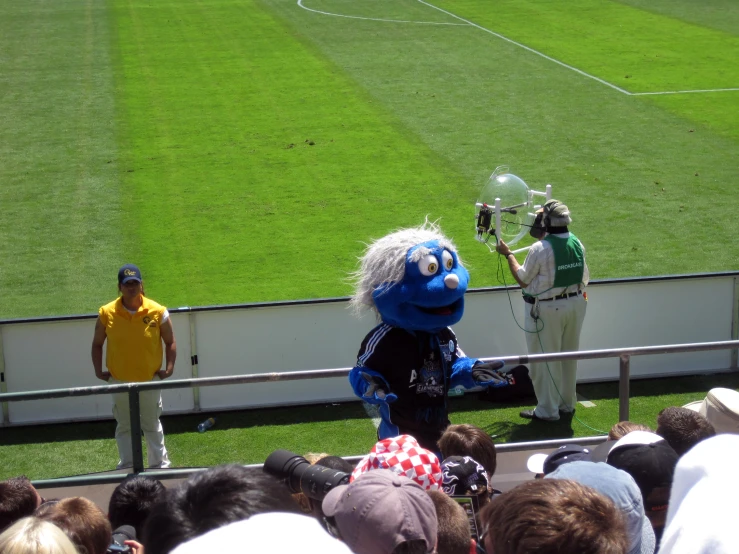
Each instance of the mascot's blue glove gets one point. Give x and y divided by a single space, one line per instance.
370 386
487 374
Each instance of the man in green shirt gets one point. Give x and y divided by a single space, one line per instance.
553 278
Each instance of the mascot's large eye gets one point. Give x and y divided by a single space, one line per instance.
428 265
448 260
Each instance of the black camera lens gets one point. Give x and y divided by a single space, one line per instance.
313 481
287 465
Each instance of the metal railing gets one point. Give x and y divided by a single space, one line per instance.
134 389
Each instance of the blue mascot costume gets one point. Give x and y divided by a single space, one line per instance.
406 365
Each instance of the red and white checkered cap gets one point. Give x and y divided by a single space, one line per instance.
403 456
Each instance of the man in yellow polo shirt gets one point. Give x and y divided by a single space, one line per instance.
135 327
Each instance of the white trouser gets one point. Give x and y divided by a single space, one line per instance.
150 408
560 322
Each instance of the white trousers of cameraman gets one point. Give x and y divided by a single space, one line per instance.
560 322
150 408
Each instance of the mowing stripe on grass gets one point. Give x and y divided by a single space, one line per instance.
60 219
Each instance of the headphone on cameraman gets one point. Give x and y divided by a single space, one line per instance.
548 208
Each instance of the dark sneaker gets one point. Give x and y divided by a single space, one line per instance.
531 414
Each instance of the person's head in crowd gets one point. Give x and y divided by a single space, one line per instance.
621 488
82 521
721 408
701 518
211 499
623 428
31 535
462 475
543 464
381 512
313 457
313 507
469 440
18 498
404 456
453 536
266 534
683 428
337 463
132 501
551 516
651 462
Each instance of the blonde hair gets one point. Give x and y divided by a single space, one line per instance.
32 535
623 428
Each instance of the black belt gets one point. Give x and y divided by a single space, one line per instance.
532 300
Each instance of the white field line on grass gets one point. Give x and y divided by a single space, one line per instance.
683 91
467 22
300 3
583 73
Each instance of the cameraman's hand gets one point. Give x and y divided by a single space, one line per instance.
376 390
487 373
136 547
502 248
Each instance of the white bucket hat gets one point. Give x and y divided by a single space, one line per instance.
721 408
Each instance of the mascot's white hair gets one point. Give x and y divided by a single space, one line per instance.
383 261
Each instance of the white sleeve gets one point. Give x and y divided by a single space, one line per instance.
165 316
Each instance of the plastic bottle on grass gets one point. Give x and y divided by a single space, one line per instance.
207 424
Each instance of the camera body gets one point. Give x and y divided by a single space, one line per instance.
313 481
122 533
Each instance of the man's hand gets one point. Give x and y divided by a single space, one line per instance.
103 375
136 547
486 373
164 374
376 390
502 248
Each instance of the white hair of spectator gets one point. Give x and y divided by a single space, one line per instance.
701 517
31 535
266 533
384 260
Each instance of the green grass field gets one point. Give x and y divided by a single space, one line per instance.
243 150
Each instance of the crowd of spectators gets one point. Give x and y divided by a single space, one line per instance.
640 492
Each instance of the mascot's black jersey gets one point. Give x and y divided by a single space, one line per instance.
417 366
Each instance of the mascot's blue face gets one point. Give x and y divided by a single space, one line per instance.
431 294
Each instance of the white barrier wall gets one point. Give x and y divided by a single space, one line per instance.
325 335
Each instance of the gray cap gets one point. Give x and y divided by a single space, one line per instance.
380 510
557 213
621 488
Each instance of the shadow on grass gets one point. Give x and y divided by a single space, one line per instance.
508 431
699 385
178 424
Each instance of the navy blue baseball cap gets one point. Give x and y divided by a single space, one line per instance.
128 272
546 464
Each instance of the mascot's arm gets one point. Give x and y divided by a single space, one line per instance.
370 386
471 373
